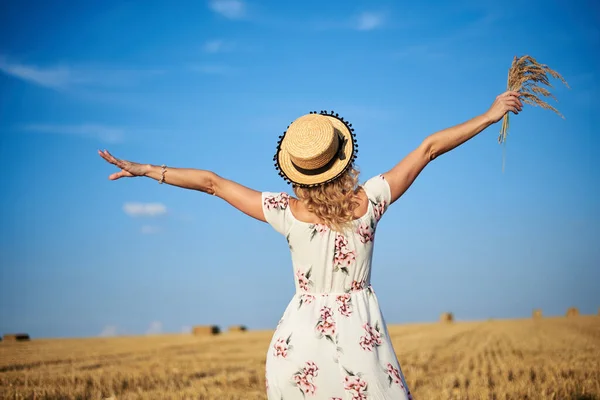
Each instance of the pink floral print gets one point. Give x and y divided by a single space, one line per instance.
355 386
304 281
343 257
357 285
344 306
379 205
326 324
303 378
306 299
320 229
379 209
394 378
277 202
282 347
366 232
311 369
394 375
371 338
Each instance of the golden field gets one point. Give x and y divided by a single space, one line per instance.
550 358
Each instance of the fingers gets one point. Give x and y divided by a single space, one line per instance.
511 101
511 98
507 102
101 153
515 103
115 176
111 159
120 174
119 163
123 173
107 156
513 106
510 93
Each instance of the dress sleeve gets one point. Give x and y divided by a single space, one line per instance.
276 210
378 191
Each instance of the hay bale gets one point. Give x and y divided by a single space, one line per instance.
537 313
205 330
572 312
16 337
447 317
238 328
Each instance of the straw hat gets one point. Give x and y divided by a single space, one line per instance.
315 149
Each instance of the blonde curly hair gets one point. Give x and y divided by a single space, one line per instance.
333 202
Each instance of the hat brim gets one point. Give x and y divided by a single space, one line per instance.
334 170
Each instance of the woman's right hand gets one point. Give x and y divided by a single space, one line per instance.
507 101
128 169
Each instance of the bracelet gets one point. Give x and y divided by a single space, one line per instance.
162 174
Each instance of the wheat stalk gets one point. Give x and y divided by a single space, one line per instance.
525 76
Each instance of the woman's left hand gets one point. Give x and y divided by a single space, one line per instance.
128 169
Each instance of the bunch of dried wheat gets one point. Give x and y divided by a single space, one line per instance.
524 76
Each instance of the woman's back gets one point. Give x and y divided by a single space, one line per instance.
325 260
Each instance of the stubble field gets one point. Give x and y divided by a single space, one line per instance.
551 358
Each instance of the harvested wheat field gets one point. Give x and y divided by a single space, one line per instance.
550 358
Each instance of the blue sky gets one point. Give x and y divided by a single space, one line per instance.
212 84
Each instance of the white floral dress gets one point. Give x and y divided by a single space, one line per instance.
332 342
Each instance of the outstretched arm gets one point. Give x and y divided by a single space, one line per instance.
402 176
247 200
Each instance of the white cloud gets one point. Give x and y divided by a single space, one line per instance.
214 46
155 328
365 21
144 209
149 229
103 133
232 9
212 69
67 76
108 331
368 21
221 46
51 77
